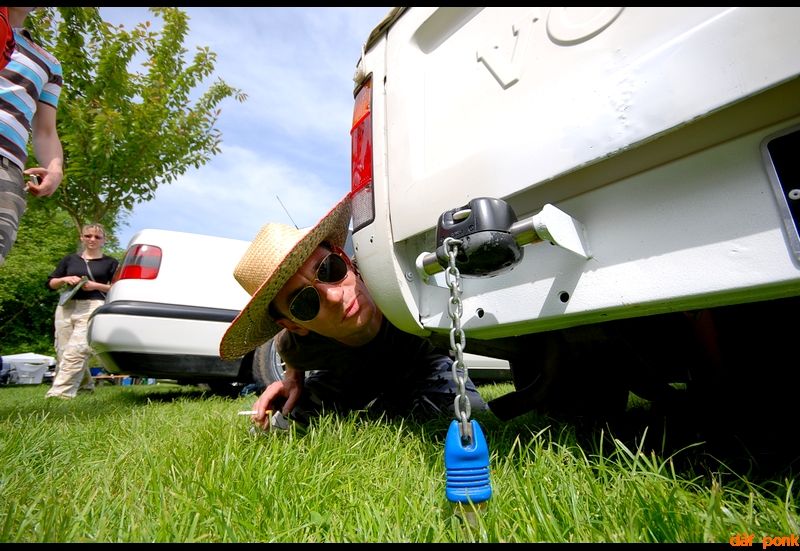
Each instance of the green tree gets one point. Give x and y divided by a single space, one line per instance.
127 132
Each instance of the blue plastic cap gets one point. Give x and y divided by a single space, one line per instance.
467 467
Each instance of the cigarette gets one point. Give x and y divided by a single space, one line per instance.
253 412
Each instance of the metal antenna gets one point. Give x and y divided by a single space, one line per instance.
287 213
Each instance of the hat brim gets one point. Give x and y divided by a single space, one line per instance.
254 326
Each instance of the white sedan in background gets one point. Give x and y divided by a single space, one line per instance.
173 297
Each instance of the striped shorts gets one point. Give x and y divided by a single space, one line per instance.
13 200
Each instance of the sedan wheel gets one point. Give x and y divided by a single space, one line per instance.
268 366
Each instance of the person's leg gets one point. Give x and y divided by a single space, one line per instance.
12 205
87 381
73 363
62 330
435 394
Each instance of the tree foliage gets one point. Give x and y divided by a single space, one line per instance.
124 133
127 132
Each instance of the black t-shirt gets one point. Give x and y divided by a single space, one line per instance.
393 357
73 264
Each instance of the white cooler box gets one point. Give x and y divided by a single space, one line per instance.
28 368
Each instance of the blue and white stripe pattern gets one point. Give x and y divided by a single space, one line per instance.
33 75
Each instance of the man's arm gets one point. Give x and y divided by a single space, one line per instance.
48 150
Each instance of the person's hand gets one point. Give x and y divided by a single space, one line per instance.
92 285
42 183
71 280
281 395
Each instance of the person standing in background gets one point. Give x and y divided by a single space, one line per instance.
72 317
30 85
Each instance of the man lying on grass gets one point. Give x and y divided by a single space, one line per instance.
308 293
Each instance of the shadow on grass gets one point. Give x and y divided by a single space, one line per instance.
723 452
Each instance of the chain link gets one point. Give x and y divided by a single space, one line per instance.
458 340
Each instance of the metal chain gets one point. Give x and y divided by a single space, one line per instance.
458 340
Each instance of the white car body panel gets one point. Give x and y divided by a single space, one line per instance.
158 335
644 124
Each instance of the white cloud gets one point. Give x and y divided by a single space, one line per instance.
235 195
289 139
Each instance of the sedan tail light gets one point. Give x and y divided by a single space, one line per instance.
363 202
140 262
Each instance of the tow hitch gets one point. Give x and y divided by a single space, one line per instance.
484 239
492 238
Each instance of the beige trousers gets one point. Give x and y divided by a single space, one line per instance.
72 348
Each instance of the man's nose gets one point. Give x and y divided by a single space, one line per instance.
331 292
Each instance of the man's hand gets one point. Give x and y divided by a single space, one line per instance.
42 183
281 395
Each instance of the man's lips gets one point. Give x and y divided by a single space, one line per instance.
351 309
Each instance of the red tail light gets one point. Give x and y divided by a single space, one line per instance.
140 262
363 205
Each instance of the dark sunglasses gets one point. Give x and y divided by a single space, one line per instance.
89 236
305 304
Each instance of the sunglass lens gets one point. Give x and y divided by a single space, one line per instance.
305 305
332 270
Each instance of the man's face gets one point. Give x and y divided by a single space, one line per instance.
346 309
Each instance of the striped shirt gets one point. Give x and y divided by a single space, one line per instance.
32 76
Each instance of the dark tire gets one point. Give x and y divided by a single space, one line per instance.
225 389
268 366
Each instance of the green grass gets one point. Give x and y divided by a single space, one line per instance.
163 463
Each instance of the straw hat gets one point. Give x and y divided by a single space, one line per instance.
276 253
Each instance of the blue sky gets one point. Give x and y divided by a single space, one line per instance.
291 137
